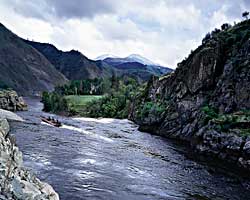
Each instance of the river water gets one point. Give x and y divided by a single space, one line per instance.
110 159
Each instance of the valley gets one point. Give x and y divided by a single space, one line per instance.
125 127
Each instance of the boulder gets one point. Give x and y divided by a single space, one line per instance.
9 100
10 115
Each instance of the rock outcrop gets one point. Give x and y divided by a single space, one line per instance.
15 181
206 101
9 100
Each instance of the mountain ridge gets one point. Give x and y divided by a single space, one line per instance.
75 66
130 58
23 68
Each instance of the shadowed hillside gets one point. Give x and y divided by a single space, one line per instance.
23 68
73 64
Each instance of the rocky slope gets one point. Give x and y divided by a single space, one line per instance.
23 68
9 100
15 181
206 101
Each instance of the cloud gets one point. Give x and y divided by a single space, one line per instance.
114 28
29 9
61 9
165 31
79 8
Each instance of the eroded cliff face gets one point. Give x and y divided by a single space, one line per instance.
15 181
9 100
206 101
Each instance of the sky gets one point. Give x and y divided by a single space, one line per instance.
164 31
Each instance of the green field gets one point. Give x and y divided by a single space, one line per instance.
77 102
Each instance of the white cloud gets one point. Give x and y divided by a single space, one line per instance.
165 31
25 27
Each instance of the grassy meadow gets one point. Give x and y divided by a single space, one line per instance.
77 102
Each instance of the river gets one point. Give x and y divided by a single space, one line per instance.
110 159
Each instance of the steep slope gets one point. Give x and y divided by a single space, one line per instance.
73 64
23 68
206 101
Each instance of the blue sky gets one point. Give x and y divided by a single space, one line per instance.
164 31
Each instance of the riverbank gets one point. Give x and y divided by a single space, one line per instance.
206 100
15 181
91 158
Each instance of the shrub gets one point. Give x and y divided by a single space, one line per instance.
148 108
116 104
4 86
54 102
210 112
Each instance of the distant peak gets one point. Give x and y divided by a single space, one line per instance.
131 58
141 59
102 57
134 55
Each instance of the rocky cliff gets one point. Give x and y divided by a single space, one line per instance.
15 181
206 101
9 100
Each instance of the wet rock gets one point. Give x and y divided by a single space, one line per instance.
246 148
15 181
9 100
10 115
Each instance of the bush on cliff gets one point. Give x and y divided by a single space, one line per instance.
3 86
153 108
237 121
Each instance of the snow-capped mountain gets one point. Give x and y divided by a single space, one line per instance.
135 64
103 57
140 59
131 58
